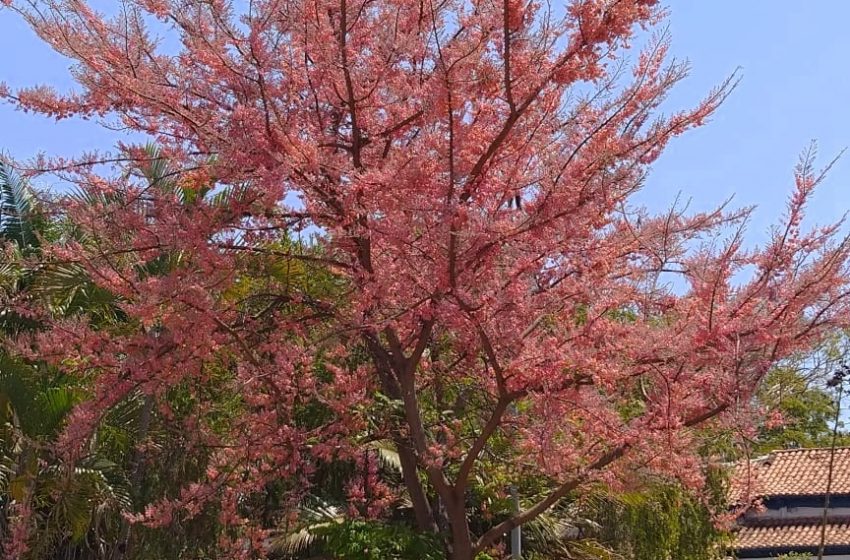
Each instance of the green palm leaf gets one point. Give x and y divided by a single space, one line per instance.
16 208
316 516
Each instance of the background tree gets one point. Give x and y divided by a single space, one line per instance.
76 509
806 409
495 342
71 507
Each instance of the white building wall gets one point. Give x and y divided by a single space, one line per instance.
789 513
814 557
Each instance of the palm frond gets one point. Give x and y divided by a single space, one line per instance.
68 289
17 204
157 170
163 175
229 196
54 405
315 517
387 454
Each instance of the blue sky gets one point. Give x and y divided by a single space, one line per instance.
794 58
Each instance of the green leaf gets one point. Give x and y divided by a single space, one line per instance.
16 208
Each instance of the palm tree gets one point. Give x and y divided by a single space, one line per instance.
73 506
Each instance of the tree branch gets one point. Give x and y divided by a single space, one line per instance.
493 534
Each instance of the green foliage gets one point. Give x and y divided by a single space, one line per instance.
76 506
663 522
807 410
326 531
16 208
373 540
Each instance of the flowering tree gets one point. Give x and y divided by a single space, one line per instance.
468 166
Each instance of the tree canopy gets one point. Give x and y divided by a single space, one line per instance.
405 222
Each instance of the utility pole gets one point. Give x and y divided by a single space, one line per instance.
516 532
837 381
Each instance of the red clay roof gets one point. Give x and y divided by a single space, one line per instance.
794 472
790 536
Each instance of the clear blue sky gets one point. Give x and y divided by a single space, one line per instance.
794 57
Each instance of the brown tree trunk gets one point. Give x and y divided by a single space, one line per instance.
461 543
421 507
425 519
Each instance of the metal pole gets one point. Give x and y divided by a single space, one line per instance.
516 532
836 381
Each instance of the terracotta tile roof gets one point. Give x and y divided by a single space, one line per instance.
793 472
791 536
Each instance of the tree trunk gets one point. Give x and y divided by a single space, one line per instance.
421 508
461 544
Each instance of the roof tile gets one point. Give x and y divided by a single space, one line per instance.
794 472
789 536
